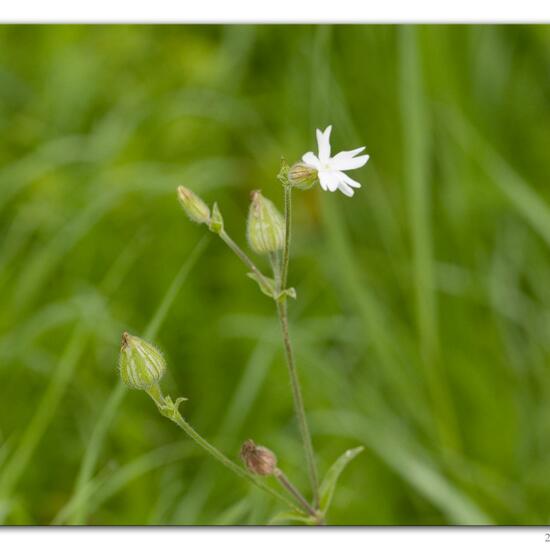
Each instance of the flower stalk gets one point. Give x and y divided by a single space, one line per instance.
282 312
288 216
170 410
142 367
299 408
241 254
288 486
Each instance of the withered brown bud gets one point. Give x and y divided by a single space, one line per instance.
258 460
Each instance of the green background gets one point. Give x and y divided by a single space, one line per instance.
422 325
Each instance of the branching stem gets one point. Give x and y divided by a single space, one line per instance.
288 486
170 411
280 269
242 256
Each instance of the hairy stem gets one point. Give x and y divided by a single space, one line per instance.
288 486
242 256
293 373
173 414
286 250
299 403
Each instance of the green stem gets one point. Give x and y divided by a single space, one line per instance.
293 372
170 411
286 250
242 256
275 260
299 402
289 486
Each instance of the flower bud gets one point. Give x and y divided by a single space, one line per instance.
216 221
193 205
302 176
258 460
266 225
141 364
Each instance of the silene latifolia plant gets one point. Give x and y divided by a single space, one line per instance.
269 234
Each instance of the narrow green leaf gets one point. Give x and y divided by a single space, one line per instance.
290 292
331 479
267 285
283 518
234 514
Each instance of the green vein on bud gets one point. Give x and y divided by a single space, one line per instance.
195 208
302 176
141 365
266 226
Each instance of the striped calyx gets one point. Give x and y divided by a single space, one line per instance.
141 364
266 225
195 208
302 176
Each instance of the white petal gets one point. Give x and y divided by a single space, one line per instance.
323 181
328 181
347 180
346 189
311 160
323 142
348 154
349 163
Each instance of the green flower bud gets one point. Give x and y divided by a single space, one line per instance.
216 221
193 205
266 225
302 176
141 364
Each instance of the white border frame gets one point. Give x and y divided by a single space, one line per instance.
277 11
265 538
281 11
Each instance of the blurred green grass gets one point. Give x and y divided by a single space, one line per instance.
422 325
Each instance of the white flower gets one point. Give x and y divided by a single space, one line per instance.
330 169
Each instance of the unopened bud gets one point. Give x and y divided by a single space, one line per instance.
194 206
258 460
216 221
141 364
266 225
302 176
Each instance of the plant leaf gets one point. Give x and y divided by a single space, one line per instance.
331 479
290 292
282 518
267 285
